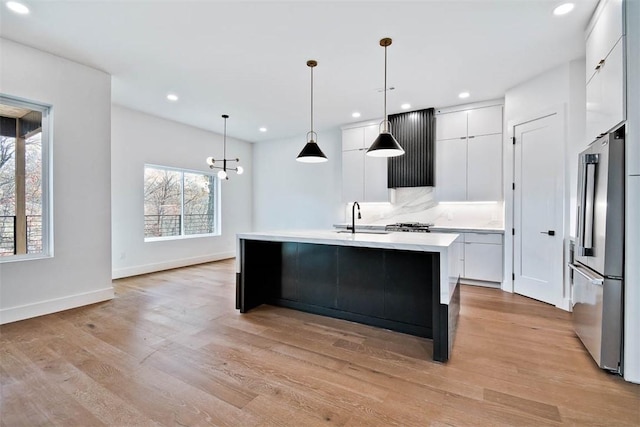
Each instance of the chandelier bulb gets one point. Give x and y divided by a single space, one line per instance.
222 174
240 170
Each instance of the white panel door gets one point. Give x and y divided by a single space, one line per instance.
352 175
538 204
451 125
485 121
484 168
451 170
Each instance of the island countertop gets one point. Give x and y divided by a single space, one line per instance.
423 242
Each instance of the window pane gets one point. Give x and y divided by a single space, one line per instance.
162 202
33 193
199 204
7 195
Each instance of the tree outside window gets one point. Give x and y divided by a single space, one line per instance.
179 203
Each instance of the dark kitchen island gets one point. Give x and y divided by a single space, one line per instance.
406 282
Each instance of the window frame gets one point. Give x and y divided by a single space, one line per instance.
46 140
217 209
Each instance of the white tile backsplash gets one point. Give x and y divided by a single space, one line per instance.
417 204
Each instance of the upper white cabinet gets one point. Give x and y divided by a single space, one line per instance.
451 125
484 121
364 178
605 69
469 155
606 30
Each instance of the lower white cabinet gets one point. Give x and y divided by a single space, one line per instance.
481 257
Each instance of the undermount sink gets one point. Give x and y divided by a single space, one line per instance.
364 231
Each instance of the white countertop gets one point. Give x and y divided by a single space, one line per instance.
423 242
433 228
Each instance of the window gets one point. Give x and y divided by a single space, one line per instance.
24 180
179 203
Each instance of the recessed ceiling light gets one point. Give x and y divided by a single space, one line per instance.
563 9
263 129
463 95
355 115
172 97
405 106
16 7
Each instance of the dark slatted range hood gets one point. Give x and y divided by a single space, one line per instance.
415 131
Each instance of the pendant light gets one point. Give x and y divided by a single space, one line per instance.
385 144
222 173
311 153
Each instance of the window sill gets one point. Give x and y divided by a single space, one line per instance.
168 238
26 257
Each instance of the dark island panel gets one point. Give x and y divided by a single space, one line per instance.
361 281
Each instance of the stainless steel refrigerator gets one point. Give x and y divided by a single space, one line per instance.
598 267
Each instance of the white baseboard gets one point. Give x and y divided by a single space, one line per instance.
168 265
27 311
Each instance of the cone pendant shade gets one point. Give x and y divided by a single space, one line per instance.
385 145
311 153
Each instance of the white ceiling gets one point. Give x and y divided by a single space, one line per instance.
248 59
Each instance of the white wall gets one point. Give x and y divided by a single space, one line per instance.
80 271
561 88
294 195
139 139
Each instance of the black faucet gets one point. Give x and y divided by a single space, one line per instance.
353 216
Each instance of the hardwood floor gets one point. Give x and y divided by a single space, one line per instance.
170 349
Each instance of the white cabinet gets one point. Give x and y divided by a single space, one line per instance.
479 259
451 125
451 169
364 178
469 155
483 257
484 121
605 95
484 167
606 30
605 69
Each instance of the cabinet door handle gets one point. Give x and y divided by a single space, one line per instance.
463 137
600 64
471 137
549 232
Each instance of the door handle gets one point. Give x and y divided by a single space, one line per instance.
549 232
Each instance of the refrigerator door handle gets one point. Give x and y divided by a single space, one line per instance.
591 277
587 208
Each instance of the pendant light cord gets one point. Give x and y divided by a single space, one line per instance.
224 140
311 102
386 125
